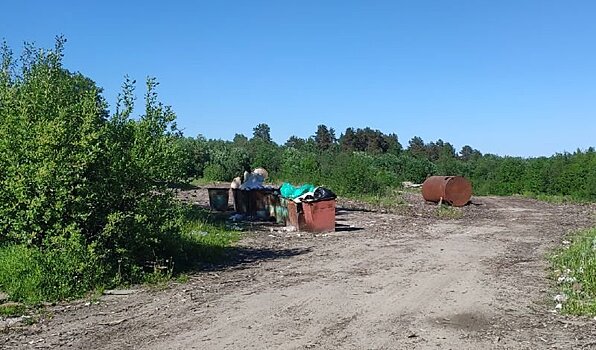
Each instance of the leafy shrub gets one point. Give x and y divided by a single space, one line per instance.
299 167
82 193
226 161
264 154
215 172
354 174
196 156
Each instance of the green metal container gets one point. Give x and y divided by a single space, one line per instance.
218 198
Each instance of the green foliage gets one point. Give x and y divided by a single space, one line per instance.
354 174
295 142
262 132
63 270
449 212
468 153
324 137
51 127
567 175
226 161
83 197
196 156
405 167
374 168
391 199
300 166
368 140
12 309
555 199
204 238
216 172
575 272
265 155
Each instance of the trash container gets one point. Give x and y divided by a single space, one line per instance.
312 216
241 200
319 216
218 198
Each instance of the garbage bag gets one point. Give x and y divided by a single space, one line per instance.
323 193
253 182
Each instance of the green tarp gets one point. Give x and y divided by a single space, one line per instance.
291 192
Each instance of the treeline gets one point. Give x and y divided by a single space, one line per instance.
367 161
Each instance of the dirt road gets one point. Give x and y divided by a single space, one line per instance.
383 281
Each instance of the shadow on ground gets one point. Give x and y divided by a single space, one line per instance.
346 228
184 186
240 257
346 210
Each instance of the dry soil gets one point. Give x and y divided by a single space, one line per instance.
401 280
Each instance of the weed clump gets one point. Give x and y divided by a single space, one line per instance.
574 270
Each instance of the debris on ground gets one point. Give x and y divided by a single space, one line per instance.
120 291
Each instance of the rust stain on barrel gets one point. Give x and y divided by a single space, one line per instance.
455 190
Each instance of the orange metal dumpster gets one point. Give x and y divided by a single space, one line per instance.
319 216
316 216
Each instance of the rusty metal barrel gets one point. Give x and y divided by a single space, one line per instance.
455 190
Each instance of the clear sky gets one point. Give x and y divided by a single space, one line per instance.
510 77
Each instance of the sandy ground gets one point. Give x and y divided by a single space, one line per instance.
404 280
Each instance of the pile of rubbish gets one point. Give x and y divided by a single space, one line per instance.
305 193
305 207
252 181
308 208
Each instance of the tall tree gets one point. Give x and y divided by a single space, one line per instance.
295 142
240 140
324 137
262 132
416 147
392 143
346 141
468 153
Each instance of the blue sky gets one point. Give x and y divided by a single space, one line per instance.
509 77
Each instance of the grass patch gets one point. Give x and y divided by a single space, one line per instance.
574 268
391 199
554 199
204 238
12 309
68 269
209 236
32 275
445 211
182 278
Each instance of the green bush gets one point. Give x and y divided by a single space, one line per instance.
215 172
264 154
83 200
196 156
299 167
355 174
226 161
571 175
